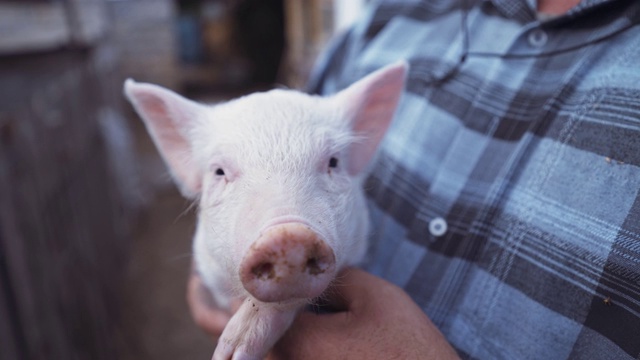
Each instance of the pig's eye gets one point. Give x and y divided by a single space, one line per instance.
219 172
333 162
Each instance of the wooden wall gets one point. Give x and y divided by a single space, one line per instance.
64 223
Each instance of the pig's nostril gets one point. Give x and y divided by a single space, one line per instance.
313 266
264 271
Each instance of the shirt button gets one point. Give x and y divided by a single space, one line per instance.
538 38
437 226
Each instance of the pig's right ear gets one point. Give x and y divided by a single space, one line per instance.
169 119
370 104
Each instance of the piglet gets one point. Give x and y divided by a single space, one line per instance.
278 178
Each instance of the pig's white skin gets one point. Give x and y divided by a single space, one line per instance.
253 330
274 149
275 160
276 170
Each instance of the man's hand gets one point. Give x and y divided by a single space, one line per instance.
376 320
206 314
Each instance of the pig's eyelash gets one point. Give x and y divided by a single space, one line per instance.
192 204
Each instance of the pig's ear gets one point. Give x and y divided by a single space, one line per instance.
371 103
169 118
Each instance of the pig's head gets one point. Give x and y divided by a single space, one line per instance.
278 176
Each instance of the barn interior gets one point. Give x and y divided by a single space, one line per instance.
95 240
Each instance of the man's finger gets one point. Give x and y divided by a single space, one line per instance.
203 310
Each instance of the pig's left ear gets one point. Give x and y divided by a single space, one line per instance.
371 103
169 119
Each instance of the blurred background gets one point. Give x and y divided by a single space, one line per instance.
94 238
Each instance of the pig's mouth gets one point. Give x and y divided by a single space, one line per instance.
322 305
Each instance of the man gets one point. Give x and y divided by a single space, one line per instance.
506 195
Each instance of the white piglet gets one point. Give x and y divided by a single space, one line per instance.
278 178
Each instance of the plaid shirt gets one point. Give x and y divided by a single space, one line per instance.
506 195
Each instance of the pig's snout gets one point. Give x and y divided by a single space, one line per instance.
287 261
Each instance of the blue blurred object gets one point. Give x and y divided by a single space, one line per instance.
190 39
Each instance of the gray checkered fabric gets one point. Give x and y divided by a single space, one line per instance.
506 195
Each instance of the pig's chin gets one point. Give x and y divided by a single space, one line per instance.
288 261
